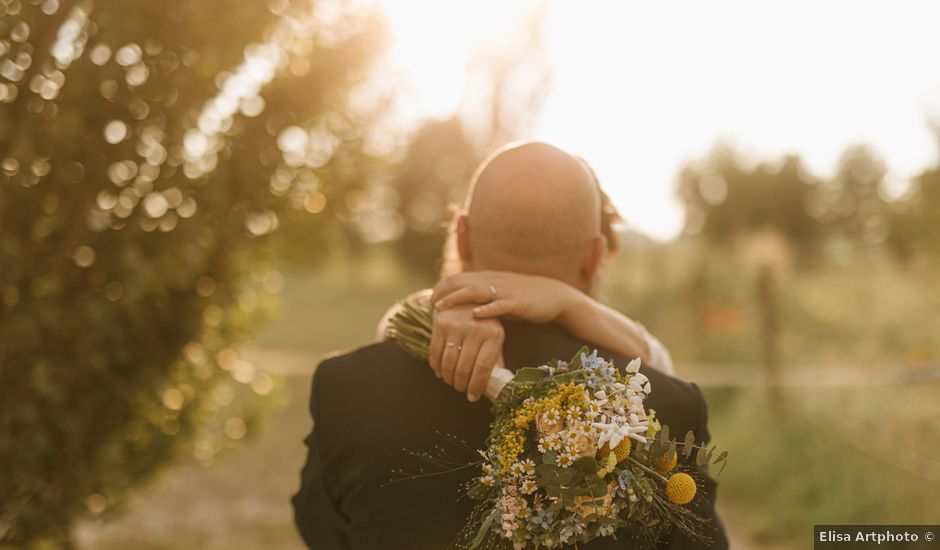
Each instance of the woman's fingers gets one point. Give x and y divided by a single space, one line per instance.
449 360
465 361
486 360
471 294
479 280
436 349
450 284
496 308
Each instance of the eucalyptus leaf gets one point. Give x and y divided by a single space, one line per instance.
688 444
723 460
702 457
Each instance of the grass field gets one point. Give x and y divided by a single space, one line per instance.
861 448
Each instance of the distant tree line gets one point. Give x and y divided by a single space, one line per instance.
726 198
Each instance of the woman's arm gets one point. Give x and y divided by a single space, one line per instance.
592 321
542 299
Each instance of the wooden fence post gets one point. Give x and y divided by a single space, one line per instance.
770 335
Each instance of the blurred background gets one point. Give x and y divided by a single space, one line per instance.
198 200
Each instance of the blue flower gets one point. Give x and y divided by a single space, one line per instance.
543 518
593 381
605 368
590 361
624 479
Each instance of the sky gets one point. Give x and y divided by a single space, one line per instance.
639 88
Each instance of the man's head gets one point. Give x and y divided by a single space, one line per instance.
533 208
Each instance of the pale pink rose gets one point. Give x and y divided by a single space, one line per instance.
546 426
585 446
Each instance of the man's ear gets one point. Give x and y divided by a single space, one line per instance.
463 241
593 261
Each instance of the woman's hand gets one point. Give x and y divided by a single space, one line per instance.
527 297
464 349
539 299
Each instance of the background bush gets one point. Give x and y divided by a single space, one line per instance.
147 154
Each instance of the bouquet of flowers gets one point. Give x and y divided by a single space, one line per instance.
573 454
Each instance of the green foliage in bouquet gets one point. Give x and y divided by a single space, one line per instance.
148 151
573 454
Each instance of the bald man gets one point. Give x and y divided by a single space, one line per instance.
533 209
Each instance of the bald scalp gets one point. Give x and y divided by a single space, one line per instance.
532 208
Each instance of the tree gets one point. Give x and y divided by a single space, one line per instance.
509 82
431 179
724 199
914 230
854 204
146 159
914 225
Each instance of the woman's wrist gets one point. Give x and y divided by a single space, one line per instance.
600 325
575 307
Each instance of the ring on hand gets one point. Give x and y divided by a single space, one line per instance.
492 292
459 348
450 344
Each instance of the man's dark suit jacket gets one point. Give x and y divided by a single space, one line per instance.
373 405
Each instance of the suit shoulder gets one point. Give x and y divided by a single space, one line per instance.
363 361
679 390
674 398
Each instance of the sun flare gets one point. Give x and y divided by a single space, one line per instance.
640 88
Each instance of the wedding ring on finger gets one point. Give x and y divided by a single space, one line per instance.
450 344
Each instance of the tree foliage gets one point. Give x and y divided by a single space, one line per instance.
855 205
914 219
148 153
432 178
724 198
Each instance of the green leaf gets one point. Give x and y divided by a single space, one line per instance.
702 457
530 375
568 476
547 474
723 460
587 465
688 444
596 486
575 362
484 529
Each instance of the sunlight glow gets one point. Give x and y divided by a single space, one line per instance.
640 88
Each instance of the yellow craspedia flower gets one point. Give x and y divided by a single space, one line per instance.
680 488
611 463
608 463
623 450
665 462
